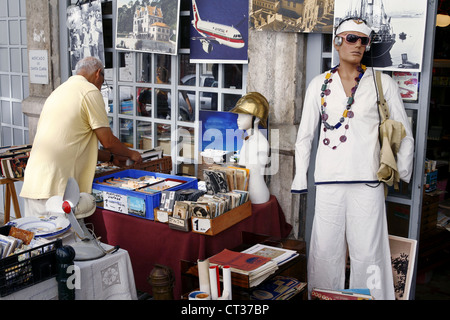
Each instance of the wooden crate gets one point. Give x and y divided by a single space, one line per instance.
163 165
214 226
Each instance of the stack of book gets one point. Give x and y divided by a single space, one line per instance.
257 263
346 294
278 255
256 268
221 179
278 288
13 160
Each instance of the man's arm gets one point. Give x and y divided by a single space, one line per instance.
113 145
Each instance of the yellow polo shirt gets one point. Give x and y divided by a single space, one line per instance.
65 144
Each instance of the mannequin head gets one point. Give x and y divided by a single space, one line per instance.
353 26
247 121
253 104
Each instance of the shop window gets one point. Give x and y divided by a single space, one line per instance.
154 100
13 73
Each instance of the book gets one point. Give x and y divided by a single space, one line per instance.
238 260
216 181
167 201
345 294
14 167
242 177
278 288
256 268
152 154
11 151
9 244
278 255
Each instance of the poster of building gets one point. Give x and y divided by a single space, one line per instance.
399 32
219 31
85 32
148 25
292 16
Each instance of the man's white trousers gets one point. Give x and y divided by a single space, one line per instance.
351 216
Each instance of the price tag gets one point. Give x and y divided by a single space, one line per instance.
162 216
115 202
177 222
201 225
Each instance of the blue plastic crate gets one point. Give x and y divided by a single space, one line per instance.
132 202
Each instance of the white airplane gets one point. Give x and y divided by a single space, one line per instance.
215 33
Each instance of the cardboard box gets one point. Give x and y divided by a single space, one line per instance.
132 202
211 227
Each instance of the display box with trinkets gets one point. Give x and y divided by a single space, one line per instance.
225 203
137 192
172 208
214 226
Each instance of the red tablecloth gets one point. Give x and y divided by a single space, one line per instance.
149 242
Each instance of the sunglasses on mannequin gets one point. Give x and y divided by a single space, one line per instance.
353 38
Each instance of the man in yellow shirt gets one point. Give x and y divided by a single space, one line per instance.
72 122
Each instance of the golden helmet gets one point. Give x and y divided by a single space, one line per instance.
255 104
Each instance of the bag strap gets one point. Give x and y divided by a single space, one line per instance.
382 104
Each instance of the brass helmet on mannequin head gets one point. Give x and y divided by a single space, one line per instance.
255 104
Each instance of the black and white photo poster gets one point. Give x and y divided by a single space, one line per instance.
399 31
403 255
85 32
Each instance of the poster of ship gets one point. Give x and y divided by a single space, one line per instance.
399 31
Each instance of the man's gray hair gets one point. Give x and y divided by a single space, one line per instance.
88 65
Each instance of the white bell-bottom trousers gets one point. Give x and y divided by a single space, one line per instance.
351 216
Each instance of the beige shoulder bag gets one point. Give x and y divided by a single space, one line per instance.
391 134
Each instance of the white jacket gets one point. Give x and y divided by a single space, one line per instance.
356 160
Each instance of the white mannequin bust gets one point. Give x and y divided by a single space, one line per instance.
254 155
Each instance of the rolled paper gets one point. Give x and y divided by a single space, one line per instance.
203 275
226 276
225 295
214 282
199 295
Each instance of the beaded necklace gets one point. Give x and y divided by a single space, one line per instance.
348 113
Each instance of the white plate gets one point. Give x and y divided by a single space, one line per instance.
43 226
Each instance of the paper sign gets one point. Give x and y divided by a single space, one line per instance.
201 225
115 202
177 222
38 66
162 216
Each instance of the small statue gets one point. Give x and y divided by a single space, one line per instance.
253 109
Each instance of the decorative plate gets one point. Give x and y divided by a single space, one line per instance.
42 226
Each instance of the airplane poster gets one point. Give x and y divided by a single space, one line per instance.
219 31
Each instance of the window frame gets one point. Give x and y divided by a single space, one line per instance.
112 79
